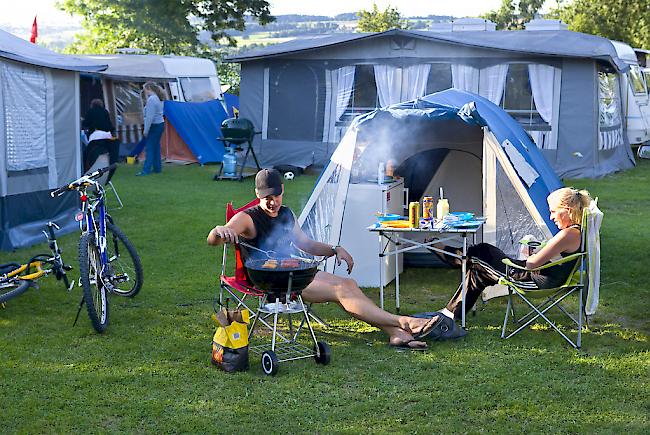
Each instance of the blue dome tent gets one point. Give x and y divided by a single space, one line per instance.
457 140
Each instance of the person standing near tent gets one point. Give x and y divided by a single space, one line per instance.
273 227
154 125
485 265
97 118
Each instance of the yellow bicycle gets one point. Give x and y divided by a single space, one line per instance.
16 279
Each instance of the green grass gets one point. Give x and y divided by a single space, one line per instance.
150 371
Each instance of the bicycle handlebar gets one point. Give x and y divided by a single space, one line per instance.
85 178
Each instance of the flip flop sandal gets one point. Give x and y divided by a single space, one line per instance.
404 345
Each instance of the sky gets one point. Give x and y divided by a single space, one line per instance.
21 13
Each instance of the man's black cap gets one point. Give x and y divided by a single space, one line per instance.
268 182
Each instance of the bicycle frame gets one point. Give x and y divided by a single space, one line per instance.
96 225
24 272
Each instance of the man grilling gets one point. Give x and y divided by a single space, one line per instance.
270 226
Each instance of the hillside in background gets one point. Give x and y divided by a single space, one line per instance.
284 28
296 26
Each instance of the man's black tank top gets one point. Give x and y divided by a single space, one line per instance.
272 233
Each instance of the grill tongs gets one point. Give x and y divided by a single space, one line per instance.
274 255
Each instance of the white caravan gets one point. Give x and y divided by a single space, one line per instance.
634 96
189 79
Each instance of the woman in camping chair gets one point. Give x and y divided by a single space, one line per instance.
485 265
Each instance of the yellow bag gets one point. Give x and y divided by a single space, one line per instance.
230 341
231 331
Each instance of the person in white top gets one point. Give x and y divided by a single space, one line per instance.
154 125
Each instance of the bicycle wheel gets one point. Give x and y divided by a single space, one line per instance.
11 288
95 295
125 267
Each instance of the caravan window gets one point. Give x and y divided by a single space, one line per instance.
128 104
25 116
439 78
608 100
197 89
636 80
518 98
364 93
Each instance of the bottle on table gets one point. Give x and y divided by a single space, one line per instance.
442 209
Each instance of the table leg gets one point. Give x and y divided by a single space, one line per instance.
381 271
463 276
396 280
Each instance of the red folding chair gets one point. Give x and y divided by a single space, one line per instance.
238 285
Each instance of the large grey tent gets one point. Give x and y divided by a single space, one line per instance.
562 87
39 138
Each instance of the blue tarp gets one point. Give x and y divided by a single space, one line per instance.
477 111
232 101
199 125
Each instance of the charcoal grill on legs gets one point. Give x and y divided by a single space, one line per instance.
236 133
282 281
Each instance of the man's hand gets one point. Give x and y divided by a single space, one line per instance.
342 254
223 234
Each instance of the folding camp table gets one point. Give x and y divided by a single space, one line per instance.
445 233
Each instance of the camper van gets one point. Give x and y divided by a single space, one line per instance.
634 96
188 79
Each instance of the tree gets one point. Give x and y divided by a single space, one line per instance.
622 20
511 16
160 26
380 21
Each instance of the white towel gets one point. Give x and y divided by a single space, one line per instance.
594 220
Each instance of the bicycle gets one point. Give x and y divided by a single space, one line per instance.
16 279
103 267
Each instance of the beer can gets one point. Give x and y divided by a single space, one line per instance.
414 214
427 208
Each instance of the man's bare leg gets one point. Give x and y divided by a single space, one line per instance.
331 288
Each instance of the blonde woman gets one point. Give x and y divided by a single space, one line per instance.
154 125
485 265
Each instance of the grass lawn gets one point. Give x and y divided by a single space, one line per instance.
151 372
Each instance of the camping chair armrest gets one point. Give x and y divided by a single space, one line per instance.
536 243
508 262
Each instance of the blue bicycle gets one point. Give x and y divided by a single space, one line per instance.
108 261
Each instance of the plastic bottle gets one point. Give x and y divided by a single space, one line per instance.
442 209
381 171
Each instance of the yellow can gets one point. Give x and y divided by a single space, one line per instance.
427 208
414 214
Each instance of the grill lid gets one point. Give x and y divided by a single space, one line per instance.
237 130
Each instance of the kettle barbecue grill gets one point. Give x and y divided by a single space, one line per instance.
281 281
236 132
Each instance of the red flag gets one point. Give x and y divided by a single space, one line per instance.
32 39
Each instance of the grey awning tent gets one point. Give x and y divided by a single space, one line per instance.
39 142
561 43
303 94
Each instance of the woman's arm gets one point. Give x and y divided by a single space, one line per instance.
567 240
149 112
